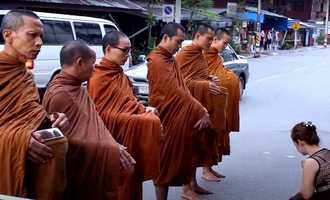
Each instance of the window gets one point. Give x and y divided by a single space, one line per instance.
109 28
57 32
228 55
1 38
90 33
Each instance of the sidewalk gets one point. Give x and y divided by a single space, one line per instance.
288 51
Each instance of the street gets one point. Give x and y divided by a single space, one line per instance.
283 89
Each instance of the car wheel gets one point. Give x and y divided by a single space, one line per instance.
241 86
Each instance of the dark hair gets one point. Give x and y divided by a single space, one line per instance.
305 131
171 29
202 29
73 50
14 19
112 39
220 32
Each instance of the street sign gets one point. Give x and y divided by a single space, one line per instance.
168 13
231 8
296 26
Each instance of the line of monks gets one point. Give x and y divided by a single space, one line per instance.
112 142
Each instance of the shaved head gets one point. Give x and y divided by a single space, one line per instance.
203 29
219 33
112 39
14 19
73 50
171 29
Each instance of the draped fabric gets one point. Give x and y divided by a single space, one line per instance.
93 166
20 115
229 80
195 71
129 123
179 112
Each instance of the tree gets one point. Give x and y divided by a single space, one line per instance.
197 6
151 21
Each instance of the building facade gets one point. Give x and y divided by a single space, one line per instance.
305 10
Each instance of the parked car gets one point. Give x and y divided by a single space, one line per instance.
138 74
58 29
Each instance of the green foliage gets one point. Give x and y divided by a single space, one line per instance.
210 15
151 19
287 45
320 40
151 44
197 4
236 47
241 5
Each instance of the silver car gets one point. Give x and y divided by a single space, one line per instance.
138 73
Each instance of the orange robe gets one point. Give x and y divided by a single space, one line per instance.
229 80
127 120
179 112
93 165
195 71
20 115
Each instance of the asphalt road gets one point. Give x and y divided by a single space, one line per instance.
283 89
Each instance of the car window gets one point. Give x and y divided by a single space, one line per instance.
1 38
228 55
109 28
57 32
89 32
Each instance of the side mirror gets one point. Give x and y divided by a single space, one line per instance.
241 57
142 58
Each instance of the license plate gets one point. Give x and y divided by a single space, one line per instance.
143 89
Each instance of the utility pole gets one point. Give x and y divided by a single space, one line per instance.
258 16
326 25
178 11
258 38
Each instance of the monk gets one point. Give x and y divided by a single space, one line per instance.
131 123
30 166
206 89
182 116
228 80
94 157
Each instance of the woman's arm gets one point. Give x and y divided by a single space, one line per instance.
310 168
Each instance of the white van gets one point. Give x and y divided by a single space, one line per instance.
59 29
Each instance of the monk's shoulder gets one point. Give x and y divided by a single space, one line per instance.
154 59
60 96
153 56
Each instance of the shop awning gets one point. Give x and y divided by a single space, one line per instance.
251 15
88 5
303 25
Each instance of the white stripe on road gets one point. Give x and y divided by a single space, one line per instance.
279 75
270 78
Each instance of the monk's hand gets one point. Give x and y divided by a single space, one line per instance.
214 88
59 120
204 122
126 160
214 79
38 152
152 110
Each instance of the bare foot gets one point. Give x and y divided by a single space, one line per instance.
198 189
188 193
209 176
217 174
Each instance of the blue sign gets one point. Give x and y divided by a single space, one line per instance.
168 10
